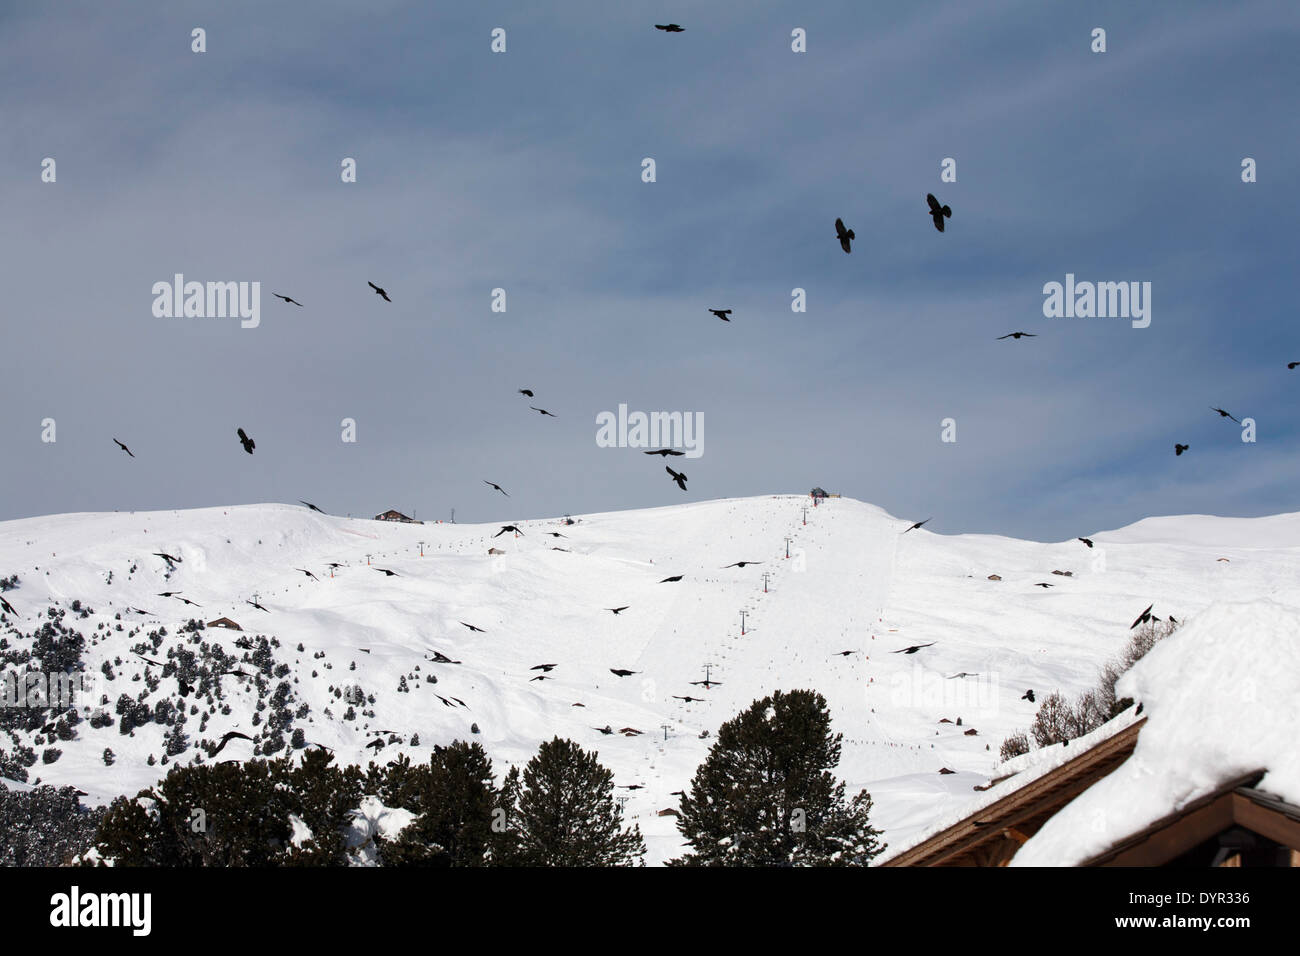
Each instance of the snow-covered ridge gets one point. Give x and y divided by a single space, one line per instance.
852 583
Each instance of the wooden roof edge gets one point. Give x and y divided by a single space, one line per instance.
1244 781
984 821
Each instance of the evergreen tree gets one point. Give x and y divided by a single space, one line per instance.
567 815
455 795
765 795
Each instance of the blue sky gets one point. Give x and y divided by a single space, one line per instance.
521 171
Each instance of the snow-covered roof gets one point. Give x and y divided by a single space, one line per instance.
1222 698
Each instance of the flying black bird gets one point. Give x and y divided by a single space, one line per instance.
606 730
1143 617
915 526
1292 364
168 593
505 528
540 677
618 609
310 505
526 391
123 447
543 411
937 212
473 628
167 557
843 653
665 452
461 702
440 658
630 786
669 28
258 606
677 476
544 667
286 298
247 442
185 600
619 672
236 672
379 292
706 684
136 610
962 674
1015 335
741 564
1028 695
1179 449
387 573
913 649
688 699
1042 584
556 534
1223 414
148 660
227 739
846 236
308 573
566 550
722 314
497 487
1087 541
674 578
333 564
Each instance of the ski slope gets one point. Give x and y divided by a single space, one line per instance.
852 583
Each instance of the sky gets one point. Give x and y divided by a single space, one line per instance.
522 171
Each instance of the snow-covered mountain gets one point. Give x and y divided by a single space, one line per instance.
852 582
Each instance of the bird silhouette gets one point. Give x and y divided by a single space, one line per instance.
1292 364
185 600
473 628
308 573
505 528
1017 335
962 674
915 526
1087 541
1042 584
677 476
379 292
673 579
619 672
7 607
845 236
310 505
843 653
1223 414
556 534
1143 617
722 314
741 564
168 593
1179 449
606 730
233 735
540 677
706 684
247 442
544 667
526 391
387 573
123 447
669 28
617 610
688 699
665 452
287 299
258 606
913 649
542 411
1028 695
497 487
440 658
937 212
149 660
167 557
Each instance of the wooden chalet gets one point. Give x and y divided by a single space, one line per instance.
1235 825
393 515
224 622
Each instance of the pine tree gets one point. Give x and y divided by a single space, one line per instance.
567 815
765 795
455 795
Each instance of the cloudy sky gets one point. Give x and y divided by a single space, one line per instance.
522 171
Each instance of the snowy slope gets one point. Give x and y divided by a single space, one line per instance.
852 583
